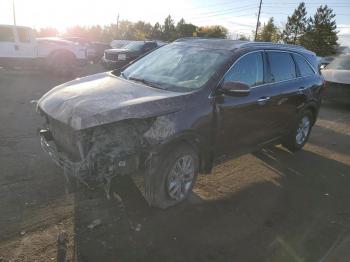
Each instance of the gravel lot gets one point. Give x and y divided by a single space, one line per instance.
268 206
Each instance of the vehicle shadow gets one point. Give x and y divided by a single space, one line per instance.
337 142
296 217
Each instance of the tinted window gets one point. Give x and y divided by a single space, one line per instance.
248 70
135 46
23 35
282 66
6 34
150 46
304 67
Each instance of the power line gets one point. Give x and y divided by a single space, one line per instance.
258 21
226 11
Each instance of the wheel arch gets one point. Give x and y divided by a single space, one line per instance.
313 107
196 142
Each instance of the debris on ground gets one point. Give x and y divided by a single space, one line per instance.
23 232
119 199
95 223
137 228
62 244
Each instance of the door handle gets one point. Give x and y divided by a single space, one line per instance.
301 90
16 47
263 100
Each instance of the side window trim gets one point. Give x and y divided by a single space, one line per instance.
307 61
261 51
297 69
268 78
292 53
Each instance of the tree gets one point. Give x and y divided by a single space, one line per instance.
77 30
126 30
269 32
156 31
142 30
169 32
46 32
216 31
296 25
185 30
321 35
243 37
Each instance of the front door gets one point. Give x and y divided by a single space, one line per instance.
245 121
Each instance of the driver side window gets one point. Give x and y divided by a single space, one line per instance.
248 70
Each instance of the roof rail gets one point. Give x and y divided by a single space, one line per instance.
262 44
198 37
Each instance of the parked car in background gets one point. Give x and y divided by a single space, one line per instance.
116 58
20 48
169 115
324 61
337 76
78 40
96 51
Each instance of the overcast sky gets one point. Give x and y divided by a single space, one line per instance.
238 16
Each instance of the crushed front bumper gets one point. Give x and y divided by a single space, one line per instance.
69 167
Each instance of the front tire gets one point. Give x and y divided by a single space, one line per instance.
171 177
300 133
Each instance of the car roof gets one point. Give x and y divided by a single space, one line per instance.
231 45
18 26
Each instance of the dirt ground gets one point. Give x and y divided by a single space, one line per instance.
268 206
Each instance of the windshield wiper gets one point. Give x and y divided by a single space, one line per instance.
146 82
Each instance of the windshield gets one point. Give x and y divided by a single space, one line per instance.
177 67
134 46
117 45
340 63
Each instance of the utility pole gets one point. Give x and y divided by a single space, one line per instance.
14 12
118 21
258 22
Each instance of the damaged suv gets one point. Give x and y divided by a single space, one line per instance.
171 114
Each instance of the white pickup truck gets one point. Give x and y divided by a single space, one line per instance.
20 48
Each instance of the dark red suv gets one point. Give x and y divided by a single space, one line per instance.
169 115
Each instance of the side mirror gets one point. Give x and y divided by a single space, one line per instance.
235 89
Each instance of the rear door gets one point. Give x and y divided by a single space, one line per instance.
26 43
285 88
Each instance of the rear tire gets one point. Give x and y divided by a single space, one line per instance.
298 137
171 177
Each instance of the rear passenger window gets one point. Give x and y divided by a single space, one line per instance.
304 67
6 34
282 66
248 70
23 35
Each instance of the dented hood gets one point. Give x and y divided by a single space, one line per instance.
104 98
